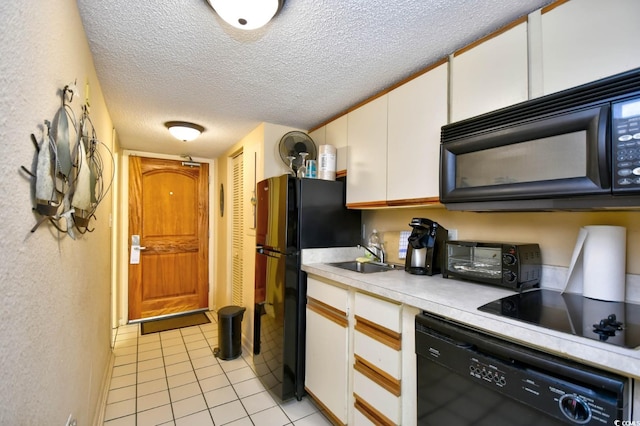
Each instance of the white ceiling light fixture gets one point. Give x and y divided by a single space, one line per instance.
246 14
183 130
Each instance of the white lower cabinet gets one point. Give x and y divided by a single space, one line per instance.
378 354
360 355
327 348
377 361
375 402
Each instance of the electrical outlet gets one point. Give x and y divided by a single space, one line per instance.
453 234
72 421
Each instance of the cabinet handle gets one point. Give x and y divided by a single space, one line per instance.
385 380
327 311
377 332
375 416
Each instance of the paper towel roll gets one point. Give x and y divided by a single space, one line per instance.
598 263
327 162
604 270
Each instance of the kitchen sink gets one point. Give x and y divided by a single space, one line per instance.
364 267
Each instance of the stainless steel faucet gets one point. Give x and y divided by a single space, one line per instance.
380 255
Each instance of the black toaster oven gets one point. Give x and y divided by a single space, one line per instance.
510 265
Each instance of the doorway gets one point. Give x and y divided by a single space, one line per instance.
169 212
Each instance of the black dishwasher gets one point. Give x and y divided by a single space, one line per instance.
466 377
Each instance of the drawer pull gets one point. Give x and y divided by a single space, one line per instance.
381 334
327 311
382 378
375 416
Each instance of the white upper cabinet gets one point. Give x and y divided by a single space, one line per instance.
336 135
367 153
319 135
490 75
417 111
585 40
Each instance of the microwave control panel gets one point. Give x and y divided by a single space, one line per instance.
625 132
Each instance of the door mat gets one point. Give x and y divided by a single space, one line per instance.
172 323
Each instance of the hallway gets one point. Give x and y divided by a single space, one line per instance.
173 378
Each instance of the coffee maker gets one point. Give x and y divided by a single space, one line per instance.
425 248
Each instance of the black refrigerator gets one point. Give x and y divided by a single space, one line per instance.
292 214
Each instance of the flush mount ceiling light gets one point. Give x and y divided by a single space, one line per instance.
183 130
246 14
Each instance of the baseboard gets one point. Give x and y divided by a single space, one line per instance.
247 347
104 394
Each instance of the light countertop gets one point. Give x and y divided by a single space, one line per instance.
459 301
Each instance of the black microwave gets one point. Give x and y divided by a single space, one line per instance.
575 149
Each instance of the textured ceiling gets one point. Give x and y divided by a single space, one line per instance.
177 60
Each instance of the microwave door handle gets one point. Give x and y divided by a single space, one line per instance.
604 147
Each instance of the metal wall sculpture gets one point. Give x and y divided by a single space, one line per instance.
69 180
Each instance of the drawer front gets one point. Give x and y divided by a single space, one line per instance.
379 354
368 393
366 415
328 294
360 418
387 314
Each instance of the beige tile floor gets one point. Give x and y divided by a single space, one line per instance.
173 378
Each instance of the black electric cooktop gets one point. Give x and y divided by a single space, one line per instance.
617 323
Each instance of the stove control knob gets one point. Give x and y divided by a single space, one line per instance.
508 259
575 408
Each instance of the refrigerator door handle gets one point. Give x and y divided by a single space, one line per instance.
258 313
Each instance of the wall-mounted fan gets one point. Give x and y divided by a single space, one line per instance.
294 143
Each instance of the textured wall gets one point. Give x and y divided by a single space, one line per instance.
54 328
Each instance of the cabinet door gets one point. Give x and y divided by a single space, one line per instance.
326 363
587 40
367 153
490 75
336 135
417 111
319 135
327 351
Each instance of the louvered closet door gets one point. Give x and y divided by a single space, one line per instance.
238 220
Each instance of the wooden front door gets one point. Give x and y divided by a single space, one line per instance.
169 210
